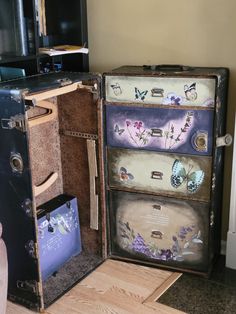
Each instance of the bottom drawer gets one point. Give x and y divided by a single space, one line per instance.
159 230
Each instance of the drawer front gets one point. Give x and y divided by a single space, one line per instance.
160 129
166 174
177 91
159 229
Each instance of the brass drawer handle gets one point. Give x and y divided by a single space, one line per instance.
157 175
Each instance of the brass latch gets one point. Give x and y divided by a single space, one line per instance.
15 122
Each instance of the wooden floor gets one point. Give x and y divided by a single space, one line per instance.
114 288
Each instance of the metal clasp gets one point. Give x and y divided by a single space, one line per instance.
28 285
15 122
64 81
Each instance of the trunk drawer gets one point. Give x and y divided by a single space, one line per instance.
188 91
159 229
167 174
160 129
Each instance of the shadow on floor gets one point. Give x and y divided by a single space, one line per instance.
197 295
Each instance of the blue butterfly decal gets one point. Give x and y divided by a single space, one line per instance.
118 130
139 94
179 176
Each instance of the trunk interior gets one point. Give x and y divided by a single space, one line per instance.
59 163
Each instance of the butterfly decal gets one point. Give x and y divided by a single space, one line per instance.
179 176
116 89
118 130
190 92
139 94
196 238
124 175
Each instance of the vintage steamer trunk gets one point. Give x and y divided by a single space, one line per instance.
145 162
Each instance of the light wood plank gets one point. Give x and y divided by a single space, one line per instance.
162 289
162 308
139 280
13 308
35 97
50 115
93 173
39 189
115 287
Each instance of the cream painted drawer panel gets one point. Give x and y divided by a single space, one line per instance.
188 91
167 174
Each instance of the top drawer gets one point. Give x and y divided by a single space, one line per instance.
187 91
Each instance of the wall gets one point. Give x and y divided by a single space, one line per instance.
199 33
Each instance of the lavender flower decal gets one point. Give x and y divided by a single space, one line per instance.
140 246
185 243
137 133
173 136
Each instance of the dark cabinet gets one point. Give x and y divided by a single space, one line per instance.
27 25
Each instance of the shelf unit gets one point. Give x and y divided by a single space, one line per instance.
21 34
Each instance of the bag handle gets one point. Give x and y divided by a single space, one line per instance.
167 67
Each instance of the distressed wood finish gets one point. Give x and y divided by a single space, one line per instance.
155 173
114 287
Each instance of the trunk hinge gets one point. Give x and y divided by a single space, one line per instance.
91 88
15 122
64 82
29 286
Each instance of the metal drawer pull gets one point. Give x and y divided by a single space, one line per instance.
224 140
38 189
48 116
93 173
158 175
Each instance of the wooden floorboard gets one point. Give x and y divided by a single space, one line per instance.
113 288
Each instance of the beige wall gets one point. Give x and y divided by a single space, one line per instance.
190 32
